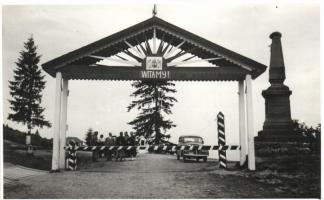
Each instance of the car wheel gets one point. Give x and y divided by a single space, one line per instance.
178 157
205 159
197 159
184 159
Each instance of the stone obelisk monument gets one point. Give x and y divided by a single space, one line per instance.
278 125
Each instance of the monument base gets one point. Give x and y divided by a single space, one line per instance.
280 155
278 136
278 131
263 148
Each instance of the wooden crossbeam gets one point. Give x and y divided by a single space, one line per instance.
174 49
140 54
139 49
142 48
179 54
133 56
120 57
154 40
105 72
166 48
172 64
159 51
191 57
116 60
147 45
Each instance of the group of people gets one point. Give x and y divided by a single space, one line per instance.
124 139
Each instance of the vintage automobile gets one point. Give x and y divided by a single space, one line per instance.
194 153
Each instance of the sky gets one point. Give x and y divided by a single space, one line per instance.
243 28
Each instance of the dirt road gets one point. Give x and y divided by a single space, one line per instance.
150 176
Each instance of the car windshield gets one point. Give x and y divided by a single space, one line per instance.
192 139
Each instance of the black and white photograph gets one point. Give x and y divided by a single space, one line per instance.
161 100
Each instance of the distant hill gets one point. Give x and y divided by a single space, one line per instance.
20 138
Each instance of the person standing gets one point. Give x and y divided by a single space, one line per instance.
120 142
132 142
126 136
109 142
101 142
94 139
94 142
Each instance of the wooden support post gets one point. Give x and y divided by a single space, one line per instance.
154 40
63 126
249 108
242 131
57 113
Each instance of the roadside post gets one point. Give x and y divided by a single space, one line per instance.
71 157
221 140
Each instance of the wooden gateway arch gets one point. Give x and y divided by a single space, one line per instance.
156 50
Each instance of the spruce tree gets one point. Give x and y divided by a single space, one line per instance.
26 89
88 136
154 103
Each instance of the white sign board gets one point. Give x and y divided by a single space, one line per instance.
153 63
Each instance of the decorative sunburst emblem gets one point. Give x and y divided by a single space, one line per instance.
156 56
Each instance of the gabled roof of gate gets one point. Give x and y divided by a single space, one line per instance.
142 32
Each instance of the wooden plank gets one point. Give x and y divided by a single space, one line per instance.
141 46
191 61
134 73
120 57
120 61
133 56
166 48
179 54
147 45
174 49
154 40
140 54
159 51
191 57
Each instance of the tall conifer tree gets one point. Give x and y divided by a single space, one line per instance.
88 136
26 89
154 103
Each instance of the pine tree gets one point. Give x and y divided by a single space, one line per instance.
88 136
26 89
154 103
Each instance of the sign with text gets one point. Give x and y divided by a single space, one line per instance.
155 74
154 69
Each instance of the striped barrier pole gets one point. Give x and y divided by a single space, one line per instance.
72 150
221 140
157 147
72 158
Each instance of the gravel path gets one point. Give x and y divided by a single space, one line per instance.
150 176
